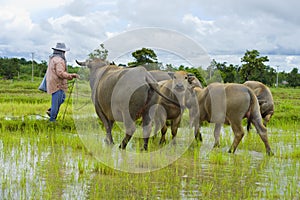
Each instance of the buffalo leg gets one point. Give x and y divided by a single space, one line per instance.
198 135
147 126
163 134
262 131
109 139
264 138
160 119
108 124
238 135
197 132
217 134
130 128
125 141
174 128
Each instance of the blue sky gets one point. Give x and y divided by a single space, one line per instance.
225 29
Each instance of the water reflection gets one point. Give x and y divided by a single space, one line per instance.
34 169
31 171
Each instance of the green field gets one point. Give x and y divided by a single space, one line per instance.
42 160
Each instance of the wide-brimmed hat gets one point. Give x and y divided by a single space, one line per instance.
61 47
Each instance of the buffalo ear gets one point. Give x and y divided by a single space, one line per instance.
257 91
191 78
171 74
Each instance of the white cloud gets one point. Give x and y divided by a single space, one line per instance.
13 19
204 27
224 28
34 5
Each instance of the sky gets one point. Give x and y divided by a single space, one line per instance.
224 29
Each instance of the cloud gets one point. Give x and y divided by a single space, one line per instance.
203 27
224 28
35 5
14 20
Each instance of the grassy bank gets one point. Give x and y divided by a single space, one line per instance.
22 98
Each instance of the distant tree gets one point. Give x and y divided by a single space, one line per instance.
211 70
40 69
203 74
253 66
9 68
101 53
169 67
213 74
268 76
228 73
144 56
282 77
23 61
293 78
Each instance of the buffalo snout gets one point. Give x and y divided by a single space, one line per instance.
179 87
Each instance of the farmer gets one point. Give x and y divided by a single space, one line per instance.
56 79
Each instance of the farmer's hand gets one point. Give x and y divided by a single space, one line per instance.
75 75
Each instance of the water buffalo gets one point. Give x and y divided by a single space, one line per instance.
189 99
161 75
175 89
229 104
123 95
265 100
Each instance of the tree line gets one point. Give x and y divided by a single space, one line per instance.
252 67
20 68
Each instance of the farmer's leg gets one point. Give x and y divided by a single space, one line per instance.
58 98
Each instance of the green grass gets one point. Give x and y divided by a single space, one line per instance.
42 160
287 105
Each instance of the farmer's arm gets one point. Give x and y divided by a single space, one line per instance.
62 73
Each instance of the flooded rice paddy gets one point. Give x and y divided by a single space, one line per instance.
39 160
54 164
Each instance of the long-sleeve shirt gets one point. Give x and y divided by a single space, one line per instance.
57 75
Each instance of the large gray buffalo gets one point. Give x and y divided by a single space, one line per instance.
265 100
123 95
229 104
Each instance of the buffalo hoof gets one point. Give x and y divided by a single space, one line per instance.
270 153
108 141
121 146
144 149
216 145
162 141
230 151
198 137
154 137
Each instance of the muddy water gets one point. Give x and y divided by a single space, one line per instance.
34 169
